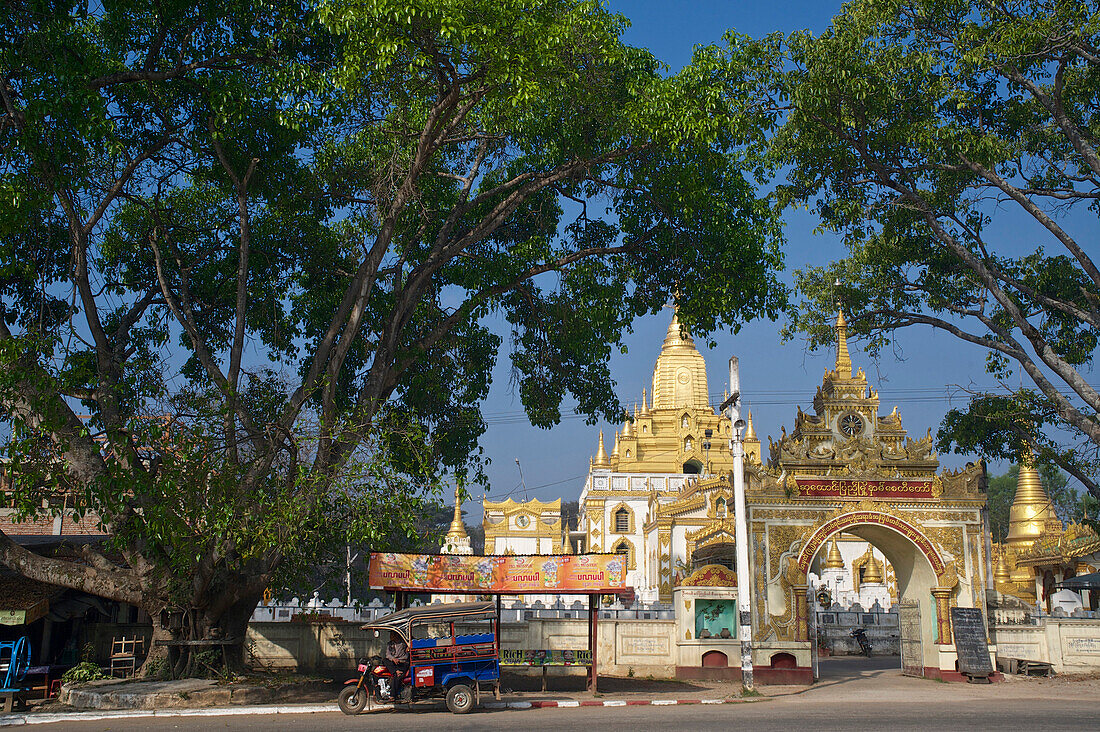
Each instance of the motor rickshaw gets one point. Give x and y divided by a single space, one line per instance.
453 650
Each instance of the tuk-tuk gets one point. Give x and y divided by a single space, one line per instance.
453 649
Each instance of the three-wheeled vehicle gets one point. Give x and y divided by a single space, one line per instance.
453 650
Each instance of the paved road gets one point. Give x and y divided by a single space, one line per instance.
773 715
853 694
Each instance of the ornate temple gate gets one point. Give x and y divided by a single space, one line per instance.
912 654
846 469
934 548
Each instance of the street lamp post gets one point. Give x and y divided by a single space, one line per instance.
741 529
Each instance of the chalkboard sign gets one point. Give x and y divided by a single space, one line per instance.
970 641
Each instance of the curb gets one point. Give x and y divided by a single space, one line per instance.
16 720
609 703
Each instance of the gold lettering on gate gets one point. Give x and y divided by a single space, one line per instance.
857 488
869 517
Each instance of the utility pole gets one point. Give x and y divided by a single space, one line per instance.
521 481
741 529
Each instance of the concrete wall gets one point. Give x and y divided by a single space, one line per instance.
834 627
309 646
642 647
1069 645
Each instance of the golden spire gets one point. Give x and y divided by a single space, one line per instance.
1031 511
458 529
615 450
750 432
601 460
872 574
843 360
628 427
834 560
645 404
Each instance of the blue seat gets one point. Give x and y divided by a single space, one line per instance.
469 640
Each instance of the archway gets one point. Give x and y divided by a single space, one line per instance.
925 581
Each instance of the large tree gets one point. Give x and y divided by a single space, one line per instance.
292 227
954 143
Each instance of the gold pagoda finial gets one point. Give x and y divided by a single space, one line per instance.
601 460
872 573
457 529
834 560
628 428
1032 511
843 360
750 431
675 338
645 404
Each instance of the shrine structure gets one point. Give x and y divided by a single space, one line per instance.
846 469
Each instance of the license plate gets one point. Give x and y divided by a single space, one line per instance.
362 668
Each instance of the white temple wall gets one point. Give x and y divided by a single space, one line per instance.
1069 645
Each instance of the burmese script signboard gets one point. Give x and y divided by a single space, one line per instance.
891 490
970 641
581 573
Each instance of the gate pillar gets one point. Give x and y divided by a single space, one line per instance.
943 614
802 613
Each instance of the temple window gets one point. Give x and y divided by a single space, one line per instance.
628 453
622 521
626 551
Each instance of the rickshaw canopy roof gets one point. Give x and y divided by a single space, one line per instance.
401 619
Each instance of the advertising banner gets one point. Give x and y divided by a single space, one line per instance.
545 658
580 573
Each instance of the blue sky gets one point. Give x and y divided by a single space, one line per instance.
922 376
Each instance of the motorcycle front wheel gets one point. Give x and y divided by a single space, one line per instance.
352 699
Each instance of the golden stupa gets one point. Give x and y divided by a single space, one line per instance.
872 570
457 529
1002 574
1032 512
834 560
1030 517
668 431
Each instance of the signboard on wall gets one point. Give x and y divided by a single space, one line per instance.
580 573
892 490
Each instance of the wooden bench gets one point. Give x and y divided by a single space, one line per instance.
1024 667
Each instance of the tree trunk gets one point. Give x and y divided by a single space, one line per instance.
235 625
157 661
